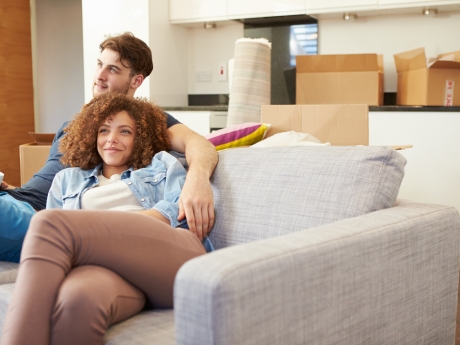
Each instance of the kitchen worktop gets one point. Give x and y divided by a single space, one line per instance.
414 108
197 108
371 108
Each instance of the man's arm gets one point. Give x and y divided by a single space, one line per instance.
196 201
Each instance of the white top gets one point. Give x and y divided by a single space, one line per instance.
110 194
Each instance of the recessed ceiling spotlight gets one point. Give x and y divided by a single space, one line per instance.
350 16
209 25
430 11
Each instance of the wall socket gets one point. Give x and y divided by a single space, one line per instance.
203 76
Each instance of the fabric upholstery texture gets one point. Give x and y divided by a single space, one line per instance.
149 327
256 198
8 272
6 290
387 277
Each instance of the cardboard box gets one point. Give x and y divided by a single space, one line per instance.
339 79
33 155
338 124
427 83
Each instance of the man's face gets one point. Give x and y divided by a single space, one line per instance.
111 75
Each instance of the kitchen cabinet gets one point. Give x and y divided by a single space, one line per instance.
433 169
414 3
264 8
195 11
202 122
188 11
334 6
339 6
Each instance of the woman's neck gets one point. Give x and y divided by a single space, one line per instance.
108 170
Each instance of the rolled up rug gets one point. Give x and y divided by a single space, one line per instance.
250 80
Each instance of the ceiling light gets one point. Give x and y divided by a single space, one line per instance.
209 25
350 16
430 11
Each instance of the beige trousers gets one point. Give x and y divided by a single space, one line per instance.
82 271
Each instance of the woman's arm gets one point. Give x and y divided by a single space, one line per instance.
54 199
170 187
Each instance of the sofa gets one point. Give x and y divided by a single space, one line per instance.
313 247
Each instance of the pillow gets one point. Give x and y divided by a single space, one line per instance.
238 135
290 138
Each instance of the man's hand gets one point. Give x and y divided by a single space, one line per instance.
4 185
196 203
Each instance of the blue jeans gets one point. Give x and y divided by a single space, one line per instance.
15 217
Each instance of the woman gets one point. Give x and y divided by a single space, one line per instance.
89 269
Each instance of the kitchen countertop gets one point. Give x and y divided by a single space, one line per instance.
414 108
198 108
371 108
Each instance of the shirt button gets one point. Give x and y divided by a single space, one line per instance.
142 199
129 182
155 180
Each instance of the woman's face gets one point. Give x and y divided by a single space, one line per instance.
115 142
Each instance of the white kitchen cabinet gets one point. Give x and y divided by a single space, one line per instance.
335 6
433 168
264 8
414 3
198 121
188 11
202 122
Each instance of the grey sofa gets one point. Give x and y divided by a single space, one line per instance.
313 248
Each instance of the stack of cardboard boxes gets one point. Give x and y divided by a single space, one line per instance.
32 156
358 78
428 82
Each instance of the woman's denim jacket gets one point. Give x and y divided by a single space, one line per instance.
157 186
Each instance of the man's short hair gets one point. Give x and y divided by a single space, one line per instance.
132 50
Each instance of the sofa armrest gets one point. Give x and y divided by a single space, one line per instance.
388 277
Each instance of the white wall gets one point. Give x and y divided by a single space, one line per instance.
432 169
58 62
389 35
169 44
108 17
209 47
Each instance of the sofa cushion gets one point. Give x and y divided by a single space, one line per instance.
243 134
8 272
267 192
148 327
6 291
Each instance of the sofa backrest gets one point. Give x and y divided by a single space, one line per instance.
267 192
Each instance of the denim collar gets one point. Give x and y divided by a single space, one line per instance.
95 172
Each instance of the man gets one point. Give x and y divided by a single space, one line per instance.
125 61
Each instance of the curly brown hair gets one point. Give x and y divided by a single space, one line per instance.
79 145
132 50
